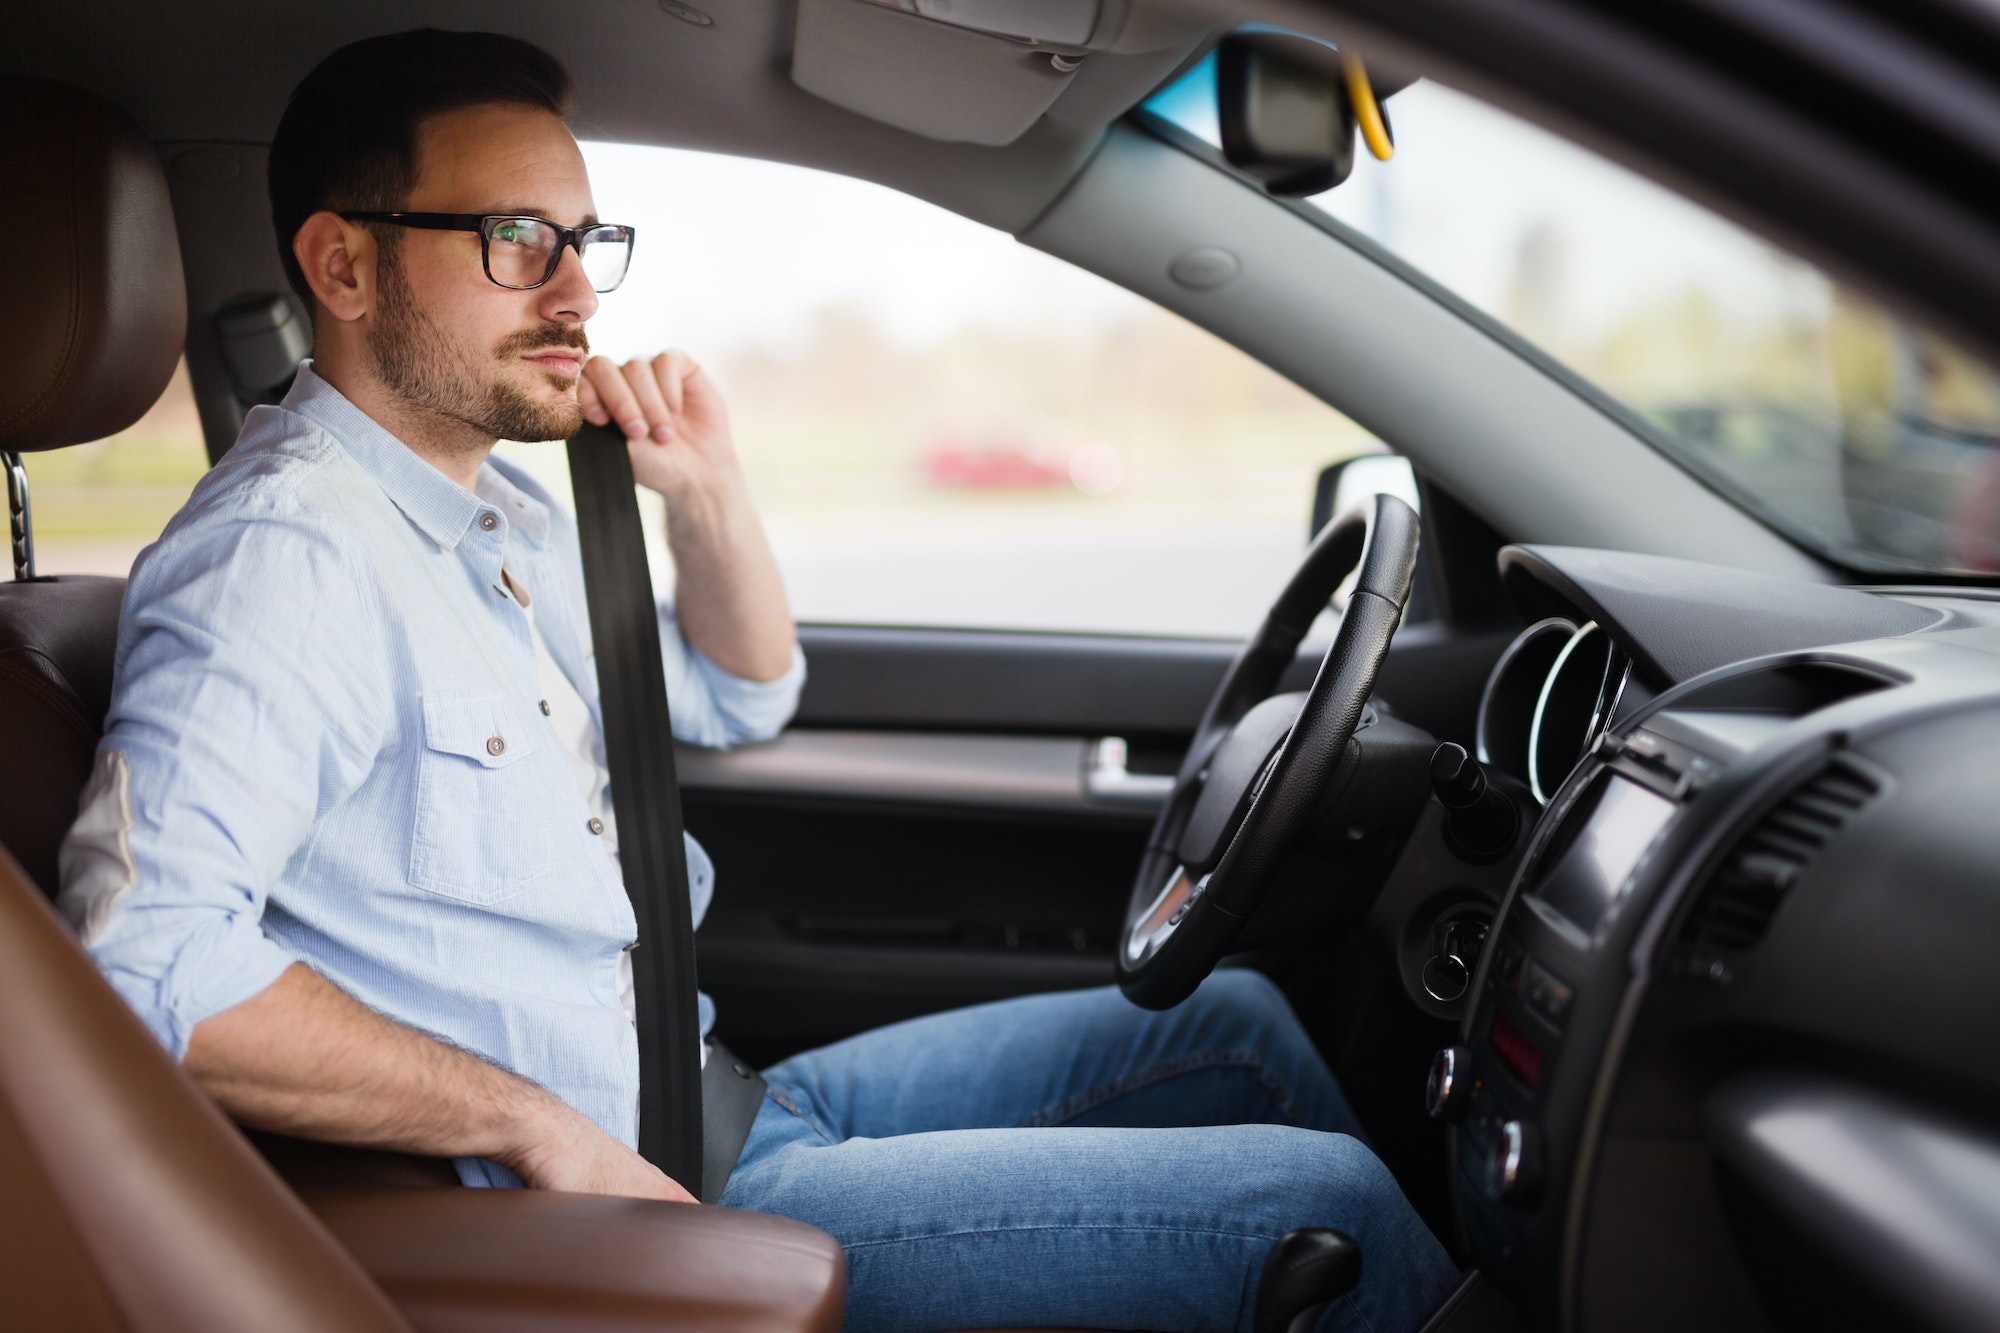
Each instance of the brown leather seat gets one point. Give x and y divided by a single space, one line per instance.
127 1200
56 641
95 323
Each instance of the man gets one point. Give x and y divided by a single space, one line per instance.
348 845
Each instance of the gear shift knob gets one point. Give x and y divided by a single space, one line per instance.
1305 1271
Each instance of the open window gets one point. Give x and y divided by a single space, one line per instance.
945 427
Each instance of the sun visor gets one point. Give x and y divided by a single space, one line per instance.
966 71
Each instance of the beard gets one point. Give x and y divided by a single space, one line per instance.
420 363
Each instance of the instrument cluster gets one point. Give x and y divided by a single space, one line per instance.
1552 693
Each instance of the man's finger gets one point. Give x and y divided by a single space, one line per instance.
672 368
619 404
646 387
587 399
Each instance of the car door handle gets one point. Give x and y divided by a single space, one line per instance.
1107 780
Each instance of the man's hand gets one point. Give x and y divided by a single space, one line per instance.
728 595
673 417
573 1154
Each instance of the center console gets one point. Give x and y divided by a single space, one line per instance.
1550 984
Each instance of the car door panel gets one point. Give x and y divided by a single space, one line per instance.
949 820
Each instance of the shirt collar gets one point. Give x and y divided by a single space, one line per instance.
441 508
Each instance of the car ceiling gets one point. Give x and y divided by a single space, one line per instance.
1860 133
220 70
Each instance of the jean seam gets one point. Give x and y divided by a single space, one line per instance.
1346 1298
1147 1228
785 1101
1131 1082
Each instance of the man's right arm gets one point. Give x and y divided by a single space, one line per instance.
242 708
302 1057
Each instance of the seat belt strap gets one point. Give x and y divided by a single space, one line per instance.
645 797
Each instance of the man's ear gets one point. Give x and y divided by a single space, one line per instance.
338 259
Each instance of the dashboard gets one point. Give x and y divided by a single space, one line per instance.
1727 1059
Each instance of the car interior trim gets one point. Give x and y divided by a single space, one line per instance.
919 768
1889 1189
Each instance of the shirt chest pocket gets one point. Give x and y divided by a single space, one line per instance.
482 821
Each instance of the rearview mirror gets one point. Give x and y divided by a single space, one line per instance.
1284 114
1290 108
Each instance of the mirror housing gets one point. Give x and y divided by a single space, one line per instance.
1357 481
1353 482
1284 112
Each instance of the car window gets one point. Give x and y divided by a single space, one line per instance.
1861 435
945 427
94 506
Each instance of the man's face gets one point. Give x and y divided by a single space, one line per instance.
445 338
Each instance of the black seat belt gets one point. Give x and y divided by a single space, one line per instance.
646 798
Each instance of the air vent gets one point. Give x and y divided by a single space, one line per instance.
1735 907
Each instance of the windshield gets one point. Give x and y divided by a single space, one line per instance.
1862 436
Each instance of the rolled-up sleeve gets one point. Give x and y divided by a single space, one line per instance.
715 708
244 704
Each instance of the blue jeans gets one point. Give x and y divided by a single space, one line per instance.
1073 1160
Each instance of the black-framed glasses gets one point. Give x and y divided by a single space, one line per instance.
521 253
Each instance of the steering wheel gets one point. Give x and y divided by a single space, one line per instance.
1260 761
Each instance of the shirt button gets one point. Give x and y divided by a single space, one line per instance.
545 708
596 824
489 521
496 746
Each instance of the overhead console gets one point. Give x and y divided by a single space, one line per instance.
984 71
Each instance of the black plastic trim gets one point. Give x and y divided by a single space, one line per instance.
1878 1187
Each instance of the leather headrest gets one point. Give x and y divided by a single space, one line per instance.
92 298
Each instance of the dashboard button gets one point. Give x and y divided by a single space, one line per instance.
1546 993
1448 1090
1514 1165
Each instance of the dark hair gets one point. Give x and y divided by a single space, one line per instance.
348 138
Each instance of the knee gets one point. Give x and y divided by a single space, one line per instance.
1343 1178
1248 995
1369 1202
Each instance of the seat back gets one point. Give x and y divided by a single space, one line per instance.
96 321
56 643
127 1201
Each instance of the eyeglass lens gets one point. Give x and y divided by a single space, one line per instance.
521 252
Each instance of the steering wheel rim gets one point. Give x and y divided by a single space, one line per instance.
1247 788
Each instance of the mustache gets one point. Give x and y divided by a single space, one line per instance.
549 335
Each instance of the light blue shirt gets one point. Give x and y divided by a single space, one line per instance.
327 745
